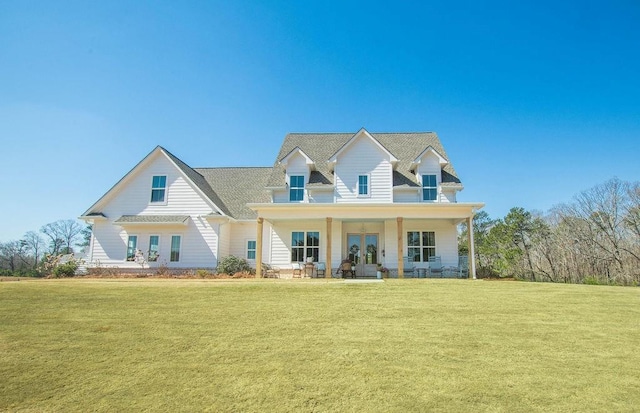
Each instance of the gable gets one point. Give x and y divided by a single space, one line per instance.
362 137
132 194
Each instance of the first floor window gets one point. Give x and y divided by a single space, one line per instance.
158 188
154 248
429 188
363 185
296 188
421 245
304 245
251 250
175 248
132 244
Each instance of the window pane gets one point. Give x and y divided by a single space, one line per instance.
429 239
429 194
428 252
251 250
363 185
157 195
414 254
313 239
296 185
154 242
132 243
175 248
159 182
413 239
297 246
297 239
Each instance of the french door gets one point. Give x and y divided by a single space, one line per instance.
362 250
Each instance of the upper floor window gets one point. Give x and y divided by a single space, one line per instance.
429 188
251 250
363 185
421 245
158 188
296 188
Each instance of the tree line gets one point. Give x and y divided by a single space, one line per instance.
28 256
594 239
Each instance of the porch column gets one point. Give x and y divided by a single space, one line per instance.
259 248
400 249
327 271
472 249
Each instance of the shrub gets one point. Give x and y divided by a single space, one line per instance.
591 280
232 265
65 270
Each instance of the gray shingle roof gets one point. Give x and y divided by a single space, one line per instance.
406 147
236 187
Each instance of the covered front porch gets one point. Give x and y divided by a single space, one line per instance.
398 238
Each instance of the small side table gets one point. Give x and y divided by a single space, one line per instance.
309 267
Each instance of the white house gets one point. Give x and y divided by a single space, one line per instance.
372 198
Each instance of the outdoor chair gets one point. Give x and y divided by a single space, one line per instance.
297 269
346 269
321 269
269 271
409 267
435 266
463 266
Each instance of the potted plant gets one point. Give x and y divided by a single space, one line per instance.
382 271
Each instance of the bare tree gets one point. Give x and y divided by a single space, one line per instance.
62 234
34 245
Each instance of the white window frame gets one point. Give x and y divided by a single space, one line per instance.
424 187
305 247
179 248
421 247
368 194
135 248
149 248
165 189
297 188
255 249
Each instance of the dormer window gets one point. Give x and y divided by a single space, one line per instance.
363 185
158 188
429 188
296 188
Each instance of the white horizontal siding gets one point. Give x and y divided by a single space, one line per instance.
297 165
321 197
363 157
198 244
134 198
430 165
242 233
446 239
281 240
406 196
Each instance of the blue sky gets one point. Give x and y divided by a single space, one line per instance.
533 101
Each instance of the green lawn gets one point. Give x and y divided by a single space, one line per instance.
272 346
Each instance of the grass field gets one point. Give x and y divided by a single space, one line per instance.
326 346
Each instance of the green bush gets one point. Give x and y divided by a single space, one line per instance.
232 265
65 270
591 280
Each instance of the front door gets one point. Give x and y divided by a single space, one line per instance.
363 252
